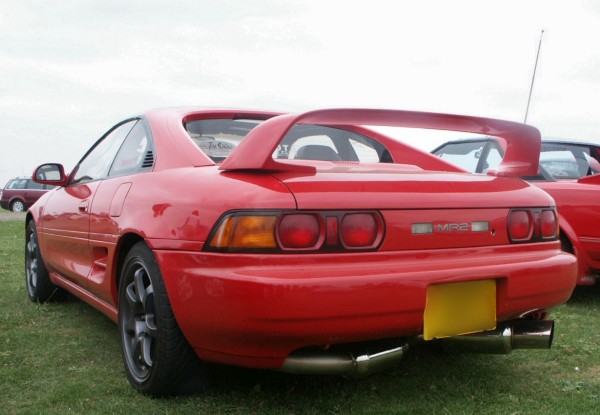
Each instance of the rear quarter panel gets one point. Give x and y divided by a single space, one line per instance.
579 209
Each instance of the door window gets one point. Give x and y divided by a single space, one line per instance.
135 154
96 163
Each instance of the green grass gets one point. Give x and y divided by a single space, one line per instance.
64 358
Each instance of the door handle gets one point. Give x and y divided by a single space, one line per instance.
83 207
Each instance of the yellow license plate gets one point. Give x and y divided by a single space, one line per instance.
459 308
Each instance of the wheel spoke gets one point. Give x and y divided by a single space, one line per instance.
33 274
151 328
131 296
31 245
31 261
129 326
138 279
146 346
136 350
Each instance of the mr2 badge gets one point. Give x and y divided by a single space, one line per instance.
429 228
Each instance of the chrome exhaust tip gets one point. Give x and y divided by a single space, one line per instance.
324 362
508 336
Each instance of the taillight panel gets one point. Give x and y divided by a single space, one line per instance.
297 231
532 225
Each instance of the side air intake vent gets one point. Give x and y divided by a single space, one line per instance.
148 160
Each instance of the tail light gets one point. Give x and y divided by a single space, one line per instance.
358 230
531 225
549 224
299 231
283 231
520 225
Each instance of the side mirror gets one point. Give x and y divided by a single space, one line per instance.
50 173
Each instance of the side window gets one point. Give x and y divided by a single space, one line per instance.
493 159
17 184
135 154
96 163
34 186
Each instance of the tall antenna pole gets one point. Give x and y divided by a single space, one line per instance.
533 77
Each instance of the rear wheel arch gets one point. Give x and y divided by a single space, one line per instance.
126 242
569 241
565 243
158 359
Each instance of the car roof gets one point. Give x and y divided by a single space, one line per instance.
570 141
544 140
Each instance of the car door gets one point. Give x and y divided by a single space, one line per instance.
66 220
135 156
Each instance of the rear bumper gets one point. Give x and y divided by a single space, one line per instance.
255 310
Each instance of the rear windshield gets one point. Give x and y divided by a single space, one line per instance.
218 137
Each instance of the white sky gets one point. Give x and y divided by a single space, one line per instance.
71 69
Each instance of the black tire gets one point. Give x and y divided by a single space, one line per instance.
157 357
17 205
39 287
565 244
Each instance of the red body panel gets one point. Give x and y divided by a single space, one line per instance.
255 308
578 204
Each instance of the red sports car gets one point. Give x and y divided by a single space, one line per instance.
307 243
568 173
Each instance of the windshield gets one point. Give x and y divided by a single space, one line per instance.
566 161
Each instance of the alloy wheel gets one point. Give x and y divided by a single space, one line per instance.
138 326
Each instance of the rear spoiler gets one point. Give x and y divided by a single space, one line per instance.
523 142
592 179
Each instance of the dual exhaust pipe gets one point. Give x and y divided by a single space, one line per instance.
508 336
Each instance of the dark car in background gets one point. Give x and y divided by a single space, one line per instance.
20 193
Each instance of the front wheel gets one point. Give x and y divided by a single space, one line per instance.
39 286
157 357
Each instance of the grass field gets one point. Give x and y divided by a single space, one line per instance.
64 358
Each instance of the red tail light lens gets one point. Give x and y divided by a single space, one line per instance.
299 231
548 224
358 230
520 225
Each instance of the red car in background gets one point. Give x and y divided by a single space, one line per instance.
20 193
568 172
307 243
